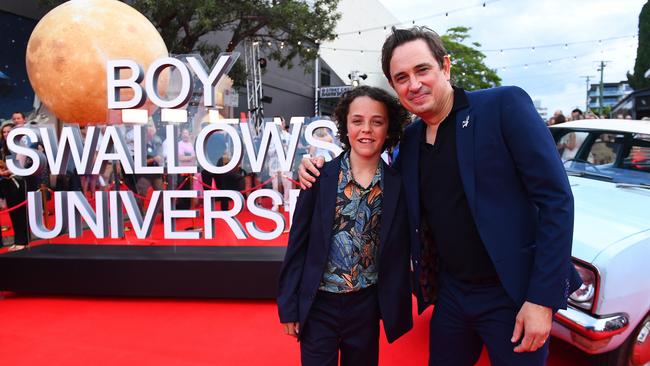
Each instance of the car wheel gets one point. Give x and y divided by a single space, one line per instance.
635 351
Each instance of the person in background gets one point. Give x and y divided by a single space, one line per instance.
323 135
278 176
576 114
186 157
13 189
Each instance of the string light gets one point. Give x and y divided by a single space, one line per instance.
502 50
549 62
413 21
553 45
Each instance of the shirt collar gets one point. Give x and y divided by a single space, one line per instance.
346 173
460 102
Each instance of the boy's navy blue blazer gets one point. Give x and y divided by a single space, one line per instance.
309 244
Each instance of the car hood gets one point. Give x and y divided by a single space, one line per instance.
605 215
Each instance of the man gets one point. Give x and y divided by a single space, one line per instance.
576 114
490 201
154 158
18 118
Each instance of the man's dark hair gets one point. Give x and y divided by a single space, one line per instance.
560 119
21 113
400 36
577 110
398 116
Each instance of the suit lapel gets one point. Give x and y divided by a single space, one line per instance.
465 129
329 180
390 198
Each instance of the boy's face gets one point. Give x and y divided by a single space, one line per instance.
367 123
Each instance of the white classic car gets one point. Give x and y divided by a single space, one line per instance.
608 163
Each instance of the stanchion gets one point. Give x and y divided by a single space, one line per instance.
43 190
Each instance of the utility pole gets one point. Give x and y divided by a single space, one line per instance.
600 97
316 82
587 78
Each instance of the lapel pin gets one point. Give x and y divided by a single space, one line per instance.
465 122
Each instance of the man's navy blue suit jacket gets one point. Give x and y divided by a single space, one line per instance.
518 194
309 244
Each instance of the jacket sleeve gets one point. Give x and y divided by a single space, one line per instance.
541 171
294 259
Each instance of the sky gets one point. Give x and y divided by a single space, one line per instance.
506 24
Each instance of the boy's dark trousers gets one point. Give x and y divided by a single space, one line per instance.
348 323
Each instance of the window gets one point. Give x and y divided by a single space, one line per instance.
325 79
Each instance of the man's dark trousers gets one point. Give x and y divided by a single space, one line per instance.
349 322
468 316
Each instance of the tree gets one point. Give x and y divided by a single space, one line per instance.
285 28
638 80
468 70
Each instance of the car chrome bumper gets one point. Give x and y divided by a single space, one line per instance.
591 327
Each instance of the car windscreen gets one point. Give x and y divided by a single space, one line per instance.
613 156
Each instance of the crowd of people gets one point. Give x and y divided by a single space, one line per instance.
577 114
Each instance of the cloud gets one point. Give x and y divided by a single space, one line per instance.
523 23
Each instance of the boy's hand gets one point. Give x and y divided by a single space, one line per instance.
292 329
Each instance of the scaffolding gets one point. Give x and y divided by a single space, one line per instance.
253 82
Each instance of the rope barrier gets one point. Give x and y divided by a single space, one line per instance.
201 183
291 180
257 186
183 183
14 207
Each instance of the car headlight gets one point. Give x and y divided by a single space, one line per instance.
584 296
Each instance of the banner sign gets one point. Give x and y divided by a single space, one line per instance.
107 144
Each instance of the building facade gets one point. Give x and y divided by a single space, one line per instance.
612 94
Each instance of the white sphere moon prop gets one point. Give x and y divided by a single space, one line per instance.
68 50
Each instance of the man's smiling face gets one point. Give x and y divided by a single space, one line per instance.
419 80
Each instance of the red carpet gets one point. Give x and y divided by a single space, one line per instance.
166 332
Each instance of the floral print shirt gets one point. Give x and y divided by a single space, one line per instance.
354 248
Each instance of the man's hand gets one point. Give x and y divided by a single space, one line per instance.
308 170
535 323
292 329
